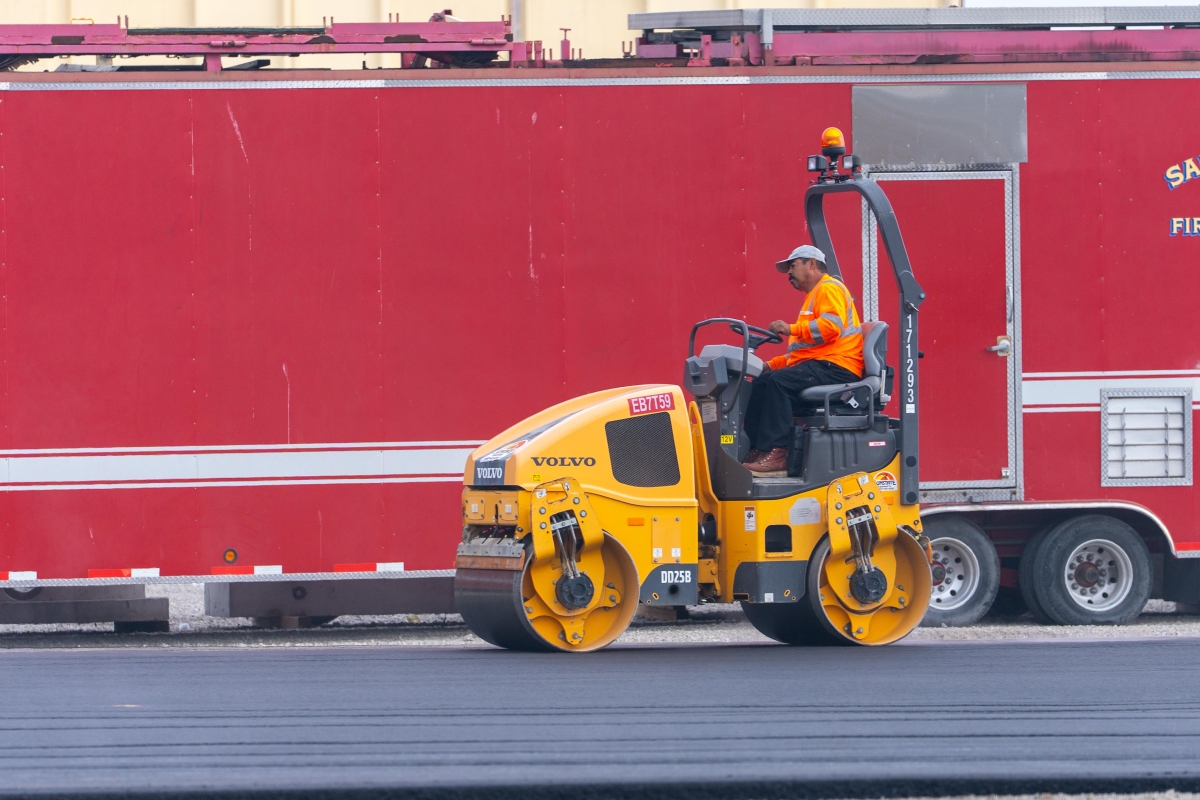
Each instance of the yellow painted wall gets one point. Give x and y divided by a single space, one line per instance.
598 27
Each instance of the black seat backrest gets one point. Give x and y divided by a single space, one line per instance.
874 349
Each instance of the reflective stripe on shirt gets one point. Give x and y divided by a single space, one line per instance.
816 332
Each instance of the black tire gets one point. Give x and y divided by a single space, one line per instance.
1118 563
801 622
969 596
1025 576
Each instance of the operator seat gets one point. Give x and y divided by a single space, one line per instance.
843 422
837 399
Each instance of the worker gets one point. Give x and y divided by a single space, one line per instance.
824 347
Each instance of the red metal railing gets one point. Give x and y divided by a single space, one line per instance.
442 41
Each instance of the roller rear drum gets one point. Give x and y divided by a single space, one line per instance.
821 618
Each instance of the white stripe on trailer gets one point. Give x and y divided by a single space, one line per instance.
48 487
390 566
233 465
268 569
1049 392
144 572
1128 373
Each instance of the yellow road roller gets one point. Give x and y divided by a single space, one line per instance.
638 496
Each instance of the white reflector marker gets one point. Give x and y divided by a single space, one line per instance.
257 569
137 572
371 566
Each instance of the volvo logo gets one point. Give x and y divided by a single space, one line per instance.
484 473
563 461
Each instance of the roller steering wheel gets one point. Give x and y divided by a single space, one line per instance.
758 341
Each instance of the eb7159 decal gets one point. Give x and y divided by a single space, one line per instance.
651 403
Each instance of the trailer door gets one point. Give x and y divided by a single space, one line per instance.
960 234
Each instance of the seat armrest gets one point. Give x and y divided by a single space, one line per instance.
850 387
842 387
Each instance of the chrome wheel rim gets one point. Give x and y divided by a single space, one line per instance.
1098 575
961 578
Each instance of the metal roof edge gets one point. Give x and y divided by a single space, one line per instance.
953 17
675 77
749 18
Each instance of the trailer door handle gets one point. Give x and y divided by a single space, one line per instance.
1003 347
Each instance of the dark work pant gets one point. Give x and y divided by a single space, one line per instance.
769 414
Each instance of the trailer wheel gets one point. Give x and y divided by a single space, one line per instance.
969 576
1092 570
1026 580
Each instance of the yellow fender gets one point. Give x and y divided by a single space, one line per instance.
901 559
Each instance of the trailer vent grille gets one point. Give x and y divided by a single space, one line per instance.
1146 437
642 450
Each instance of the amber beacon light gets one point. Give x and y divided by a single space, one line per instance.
833 143
833 148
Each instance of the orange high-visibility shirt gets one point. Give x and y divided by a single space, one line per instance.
828 329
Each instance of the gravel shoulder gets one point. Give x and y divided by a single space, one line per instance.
714 624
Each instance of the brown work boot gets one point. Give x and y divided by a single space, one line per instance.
754 455
773 463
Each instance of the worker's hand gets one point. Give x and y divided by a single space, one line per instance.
780 327
766 368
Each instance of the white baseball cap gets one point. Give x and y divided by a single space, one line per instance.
803 251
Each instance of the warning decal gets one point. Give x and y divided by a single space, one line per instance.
805 511
886 481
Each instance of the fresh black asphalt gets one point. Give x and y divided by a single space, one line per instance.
703 721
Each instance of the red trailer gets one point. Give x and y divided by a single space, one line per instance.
254 321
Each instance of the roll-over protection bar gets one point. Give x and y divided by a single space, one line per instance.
911 297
